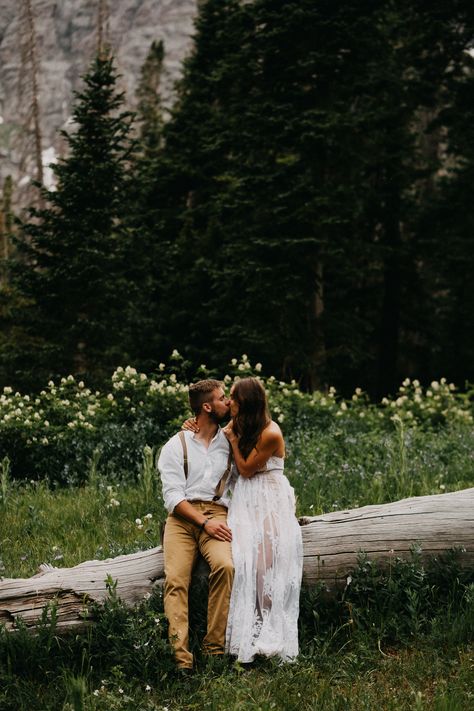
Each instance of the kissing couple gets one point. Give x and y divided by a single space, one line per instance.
229 500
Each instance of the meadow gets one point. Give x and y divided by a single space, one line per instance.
78 481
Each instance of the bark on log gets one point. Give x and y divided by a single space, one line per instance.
331 544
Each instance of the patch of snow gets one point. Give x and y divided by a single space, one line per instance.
48 157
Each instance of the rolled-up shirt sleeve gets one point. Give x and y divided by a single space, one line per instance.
171 468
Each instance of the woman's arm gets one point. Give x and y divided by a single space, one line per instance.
270 443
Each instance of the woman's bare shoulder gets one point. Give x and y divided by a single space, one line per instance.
272 433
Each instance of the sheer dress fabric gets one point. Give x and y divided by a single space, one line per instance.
268 559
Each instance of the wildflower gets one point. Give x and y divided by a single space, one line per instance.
7 390
161 366
110 397
114 502
175 353
138 521
281 417
46 423
148 516
358 391
349 580
148 687
343 406
241 366
244 358
120 690
147 596
96 692
80 384
258 367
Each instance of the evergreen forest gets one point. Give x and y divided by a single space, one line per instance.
307 200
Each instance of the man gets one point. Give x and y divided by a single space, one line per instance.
197 521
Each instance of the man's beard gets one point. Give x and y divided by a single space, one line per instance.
218 419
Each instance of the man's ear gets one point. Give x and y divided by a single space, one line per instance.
207 407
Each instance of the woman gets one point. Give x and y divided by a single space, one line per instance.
266 542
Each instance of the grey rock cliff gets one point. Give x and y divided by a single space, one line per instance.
67 40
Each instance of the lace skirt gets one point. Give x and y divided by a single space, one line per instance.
268 559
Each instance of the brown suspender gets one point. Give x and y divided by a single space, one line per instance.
185 453
223 479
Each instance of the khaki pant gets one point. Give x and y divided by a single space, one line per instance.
183 541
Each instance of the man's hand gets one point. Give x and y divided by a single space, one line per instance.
218 529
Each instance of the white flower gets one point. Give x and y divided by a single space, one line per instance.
358 391
161 366
244 357
148 687
343 406
114 502
80 384
120 690
258 367
281 417
148 516
241 366
110 397
175 353
147 596
46 423
349 580
233 362
138 521
7 390
96 692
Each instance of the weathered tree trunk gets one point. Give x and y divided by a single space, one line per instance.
331 546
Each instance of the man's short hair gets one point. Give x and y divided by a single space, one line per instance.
200 392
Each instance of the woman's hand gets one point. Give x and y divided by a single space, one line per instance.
190 425
228 430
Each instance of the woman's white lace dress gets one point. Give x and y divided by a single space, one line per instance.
268 560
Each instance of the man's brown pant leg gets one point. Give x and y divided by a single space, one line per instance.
180 553
219 556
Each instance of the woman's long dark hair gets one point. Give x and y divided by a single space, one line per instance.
253 415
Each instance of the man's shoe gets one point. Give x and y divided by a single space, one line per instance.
185 672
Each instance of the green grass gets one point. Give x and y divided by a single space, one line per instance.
397 640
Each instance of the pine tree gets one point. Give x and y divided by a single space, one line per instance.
71 263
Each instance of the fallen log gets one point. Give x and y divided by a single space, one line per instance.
331 544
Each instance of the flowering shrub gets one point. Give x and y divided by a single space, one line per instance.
66 429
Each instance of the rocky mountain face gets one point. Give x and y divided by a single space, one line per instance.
67 34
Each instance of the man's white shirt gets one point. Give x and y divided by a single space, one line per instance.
205 469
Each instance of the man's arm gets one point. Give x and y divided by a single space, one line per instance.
214 528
